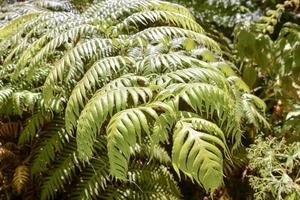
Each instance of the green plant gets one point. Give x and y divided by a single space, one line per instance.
116 98
271 67
17 9
275 168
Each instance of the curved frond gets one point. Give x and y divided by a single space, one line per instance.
198 151
87 50
125 131
102 105
54 138
93 181
159 16
21 178
194 74
96 77
34 124
61 174
5 93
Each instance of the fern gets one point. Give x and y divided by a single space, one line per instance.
119 96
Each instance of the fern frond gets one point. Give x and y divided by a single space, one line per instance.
239 83
162 184
146 181
10 129
21 178
86 50
96 77
131 80
11 28
51 19
124 131
225 68
198 151
53 139
7 155
194 74
62 173
59 23
259 103
5 93
168 6
158 33
100 107
251 114
34 124
115 10
145 18
163 63
25 100
68 36
207 101
56 5
93 180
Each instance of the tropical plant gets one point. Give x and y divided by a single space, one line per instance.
279 84
113 101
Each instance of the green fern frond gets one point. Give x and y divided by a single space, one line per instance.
131 80
24 100
239 83
252 116
34 124
63 5
157 33
11 28
198 151
146 181
203 98
163 63
62 173
93 180
259 103
168 6
76 103
86 50
115 10
100 107
145 18
5 94
162 184
194 74
96 77
225 67
125 130
53 138
68 36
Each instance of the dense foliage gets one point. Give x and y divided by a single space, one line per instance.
132 99
275 167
